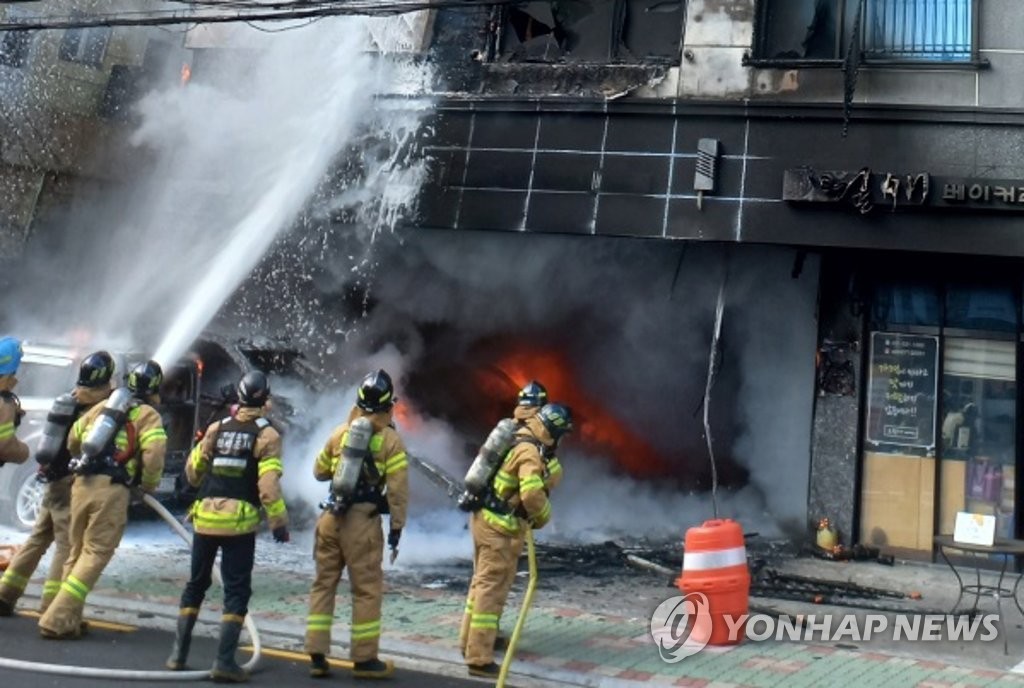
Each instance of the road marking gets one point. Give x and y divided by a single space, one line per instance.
93 623
1019 669
299 656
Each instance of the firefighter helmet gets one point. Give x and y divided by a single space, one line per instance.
557 419
376 392
96 369
145 379
533 394
10 355
253 389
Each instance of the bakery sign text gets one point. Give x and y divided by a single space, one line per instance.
868 191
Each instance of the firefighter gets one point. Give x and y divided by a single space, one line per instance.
12 450
93 386
529 401
348 532
237 468
521 501
116 445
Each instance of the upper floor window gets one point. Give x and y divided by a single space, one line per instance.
592 31
85 46
14 47
902 30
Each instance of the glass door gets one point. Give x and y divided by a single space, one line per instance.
978 450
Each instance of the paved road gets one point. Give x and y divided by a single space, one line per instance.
146 649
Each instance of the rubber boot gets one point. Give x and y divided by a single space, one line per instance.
182 642
373 668
318 666
225 669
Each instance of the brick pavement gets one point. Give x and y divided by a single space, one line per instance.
571 645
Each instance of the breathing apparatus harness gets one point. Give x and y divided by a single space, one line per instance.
356 478
234 470
52 453
100 455
480 494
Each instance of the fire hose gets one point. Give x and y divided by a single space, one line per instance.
140 675
506 663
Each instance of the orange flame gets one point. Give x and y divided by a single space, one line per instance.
186 73
596 427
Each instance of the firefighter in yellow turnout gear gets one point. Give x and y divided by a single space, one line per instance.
117 444
532 397
365 461
54 520
520 502
237 467
12 450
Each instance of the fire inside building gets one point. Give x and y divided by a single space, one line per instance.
839 177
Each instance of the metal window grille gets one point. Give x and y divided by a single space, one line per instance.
940 30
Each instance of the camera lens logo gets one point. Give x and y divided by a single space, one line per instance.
681 626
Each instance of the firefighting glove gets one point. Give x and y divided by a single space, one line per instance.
393 537
281 534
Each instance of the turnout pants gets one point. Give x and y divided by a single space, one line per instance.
237 556
51 527
99 512
354 540
495 558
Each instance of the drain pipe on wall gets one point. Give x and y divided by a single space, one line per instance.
134 674
712 364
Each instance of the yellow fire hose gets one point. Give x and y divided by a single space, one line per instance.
506 663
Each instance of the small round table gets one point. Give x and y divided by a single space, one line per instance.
1001 546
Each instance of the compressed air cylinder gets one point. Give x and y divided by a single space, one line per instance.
106 425
488 459
353 452
55 430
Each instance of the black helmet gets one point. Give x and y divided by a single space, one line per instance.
533 394
376 393
96 370
145 379
253 389
557 419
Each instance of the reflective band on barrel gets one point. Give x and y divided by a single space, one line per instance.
704 561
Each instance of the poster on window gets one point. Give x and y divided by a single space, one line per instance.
902 389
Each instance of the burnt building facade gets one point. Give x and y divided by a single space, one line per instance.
873 144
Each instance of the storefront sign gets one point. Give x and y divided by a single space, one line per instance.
902 389
868 191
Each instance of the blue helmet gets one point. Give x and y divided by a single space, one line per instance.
533 394
557 419
10 355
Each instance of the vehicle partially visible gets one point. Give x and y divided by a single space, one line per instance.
196 391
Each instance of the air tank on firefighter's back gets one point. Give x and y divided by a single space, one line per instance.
109 421
490 456
353 452
55 430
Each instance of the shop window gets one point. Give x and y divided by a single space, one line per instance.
906 304
981 308
14 47
593 31
85 46
905 30
978 451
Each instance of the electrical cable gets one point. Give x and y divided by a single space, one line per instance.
135 674
255 12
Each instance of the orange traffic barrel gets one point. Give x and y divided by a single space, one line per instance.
715 565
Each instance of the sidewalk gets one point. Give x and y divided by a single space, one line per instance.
561 645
